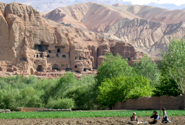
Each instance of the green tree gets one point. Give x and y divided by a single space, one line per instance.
30 97
83 97
172 65
167 87
122 88
149 69
113 66
83 94
10 99
58 91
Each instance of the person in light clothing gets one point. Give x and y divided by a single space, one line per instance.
134 119
165 116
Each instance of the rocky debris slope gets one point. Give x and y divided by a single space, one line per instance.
147 28
29 44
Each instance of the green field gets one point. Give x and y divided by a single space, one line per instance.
80 114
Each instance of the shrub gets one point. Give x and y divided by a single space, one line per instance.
60 103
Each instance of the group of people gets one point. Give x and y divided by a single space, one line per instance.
155 116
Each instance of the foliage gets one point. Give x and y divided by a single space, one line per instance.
83 97
60 103
167 87
65 83
122 88
59 89
113 66
83 94
30 98
149 69
172 64
9 99
23 91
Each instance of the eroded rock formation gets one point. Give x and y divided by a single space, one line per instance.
30 45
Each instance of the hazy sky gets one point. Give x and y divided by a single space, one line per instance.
177 2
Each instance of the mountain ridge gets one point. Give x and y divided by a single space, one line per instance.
147 28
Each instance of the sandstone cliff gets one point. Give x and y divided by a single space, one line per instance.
32 45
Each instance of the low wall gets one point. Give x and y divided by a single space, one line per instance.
168 102
41 110
5 110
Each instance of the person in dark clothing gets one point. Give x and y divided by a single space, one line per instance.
156 118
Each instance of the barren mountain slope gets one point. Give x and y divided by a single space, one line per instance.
154 13
147 35
150 29
94 16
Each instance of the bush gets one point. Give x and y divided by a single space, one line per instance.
60 103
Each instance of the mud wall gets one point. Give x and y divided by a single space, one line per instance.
168 102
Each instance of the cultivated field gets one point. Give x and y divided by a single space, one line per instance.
84 117
176 120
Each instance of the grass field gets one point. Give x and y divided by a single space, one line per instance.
81 114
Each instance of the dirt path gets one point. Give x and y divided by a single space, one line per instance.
82 121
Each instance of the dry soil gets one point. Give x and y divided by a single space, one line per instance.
83 121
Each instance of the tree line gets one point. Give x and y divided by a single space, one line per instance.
115 81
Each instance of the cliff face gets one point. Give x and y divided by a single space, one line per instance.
30 45
147 28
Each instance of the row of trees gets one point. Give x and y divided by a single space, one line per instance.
65 92
115 81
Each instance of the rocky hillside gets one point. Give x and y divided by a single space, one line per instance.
147 28
31 44
154 13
